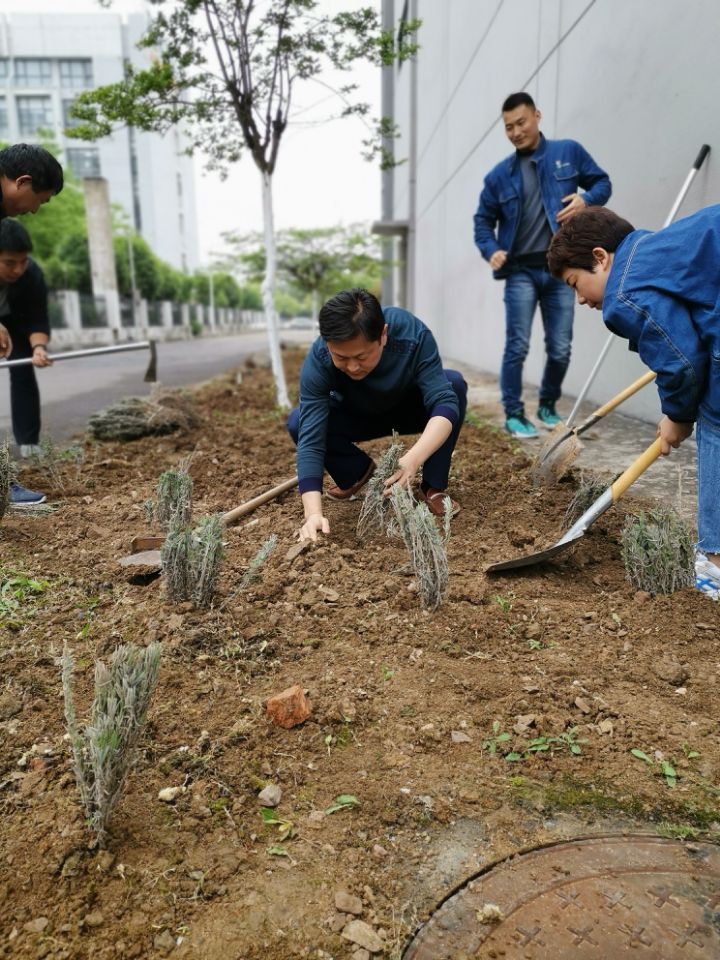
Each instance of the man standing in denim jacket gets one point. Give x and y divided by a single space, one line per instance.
525 198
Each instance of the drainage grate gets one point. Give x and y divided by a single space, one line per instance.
595 897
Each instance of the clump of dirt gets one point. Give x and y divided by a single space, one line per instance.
429 720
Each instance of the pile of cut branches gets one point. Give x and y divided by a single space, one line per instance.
164 411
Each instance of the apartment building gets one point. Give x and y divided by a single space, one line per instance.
45 61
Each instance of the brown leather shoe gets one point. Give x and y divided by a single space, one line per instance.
336 493
435 500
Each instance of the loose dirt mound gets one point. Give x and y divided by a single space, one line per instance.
409 709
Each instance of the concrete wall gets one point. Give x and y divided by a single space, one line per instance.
634 82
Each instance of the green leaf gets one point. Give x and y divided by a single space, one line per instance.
346 801
277 851
574 748
641 756
514 757
503 737
269 816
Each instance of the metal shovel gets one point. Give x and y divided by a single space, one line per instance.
549 454
578 529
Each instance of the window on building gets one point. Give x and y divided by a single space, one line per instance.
84 161
34 113
4 68
4 126
33 73
76 73
68 121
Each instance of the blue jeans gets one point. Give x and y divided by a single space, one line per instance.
346 463
524 289
707 435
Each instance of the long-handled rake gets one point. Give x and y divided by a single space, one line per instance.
562 447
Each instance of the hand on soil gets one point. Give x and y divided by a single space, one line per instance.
314 524
408 468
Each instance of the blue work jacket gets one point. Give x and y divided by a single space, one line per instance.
562 167
409 364
663 295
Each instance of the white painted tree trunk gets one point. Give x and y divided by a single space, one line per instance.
268 295
314 305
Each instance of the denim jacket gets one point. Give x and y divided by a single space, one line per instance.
663 294
562 167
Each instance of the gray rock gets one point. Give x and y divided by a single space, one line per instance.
165 942
270 796
361 933
348 903
37 925
94 919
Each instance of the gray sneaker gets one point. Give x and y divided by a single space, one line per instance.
24 497
28 450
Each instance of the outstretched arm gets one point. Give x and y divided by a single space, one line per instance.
436 432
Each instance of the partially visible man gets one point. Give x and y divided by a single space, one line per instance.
24 315
525 198
373 370
29 177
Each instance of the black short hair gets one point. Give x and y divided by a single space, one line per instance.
516 100
14 238
351 313
574 242
29 159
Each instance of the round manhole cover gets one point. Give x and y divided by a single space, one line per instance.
599 897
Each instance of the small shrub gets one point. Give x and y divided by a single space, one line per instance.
658 551
105 750
590 488
191 561
5 476
376 506
54 462
174 497
163 412
425 543
253 571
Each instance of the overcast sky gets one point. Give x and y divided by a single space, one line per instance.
321 178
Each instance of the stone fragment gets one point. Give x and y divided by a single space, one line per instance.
348 903
289 708
37 925
270 796
672 671
360 954
582 705
296 549
605 726
94 919
361 933
164 941
170 794
459 736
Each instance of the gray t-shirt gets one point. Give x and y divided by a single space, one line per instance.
534 233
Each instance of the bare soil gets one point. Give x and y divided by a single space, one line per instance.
405 704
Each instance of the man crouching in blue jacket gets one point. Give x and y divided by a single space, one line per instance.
373 370
661 291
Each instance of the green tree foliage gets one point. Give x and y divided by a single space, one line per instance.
315 263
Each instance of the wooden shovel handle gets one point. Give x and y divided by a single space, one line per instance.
623 395
232 515
635 469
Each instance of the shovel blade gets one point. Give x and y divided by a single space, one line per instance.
534 558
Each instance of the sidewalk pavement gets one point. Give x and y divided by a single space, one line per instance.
607 448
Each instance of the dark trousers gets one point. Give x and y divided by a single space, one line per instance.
346 463
24 392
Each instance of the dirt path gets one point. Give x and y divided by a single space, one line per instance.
409 709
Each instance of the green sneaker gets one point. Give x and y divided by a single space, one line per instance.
547 416
519 426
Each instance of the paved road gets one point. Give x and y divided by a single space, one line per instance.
73 389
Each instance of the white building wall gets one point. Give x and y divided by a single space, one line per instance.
634 82
168 219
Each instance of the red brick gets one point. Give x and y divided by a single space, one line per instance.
289 708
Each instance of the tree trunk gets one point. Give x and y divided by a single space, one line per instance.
314 305
268 295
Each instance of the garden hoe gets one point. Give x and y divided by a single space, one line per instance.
578 529
145 551
150 373
557 454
